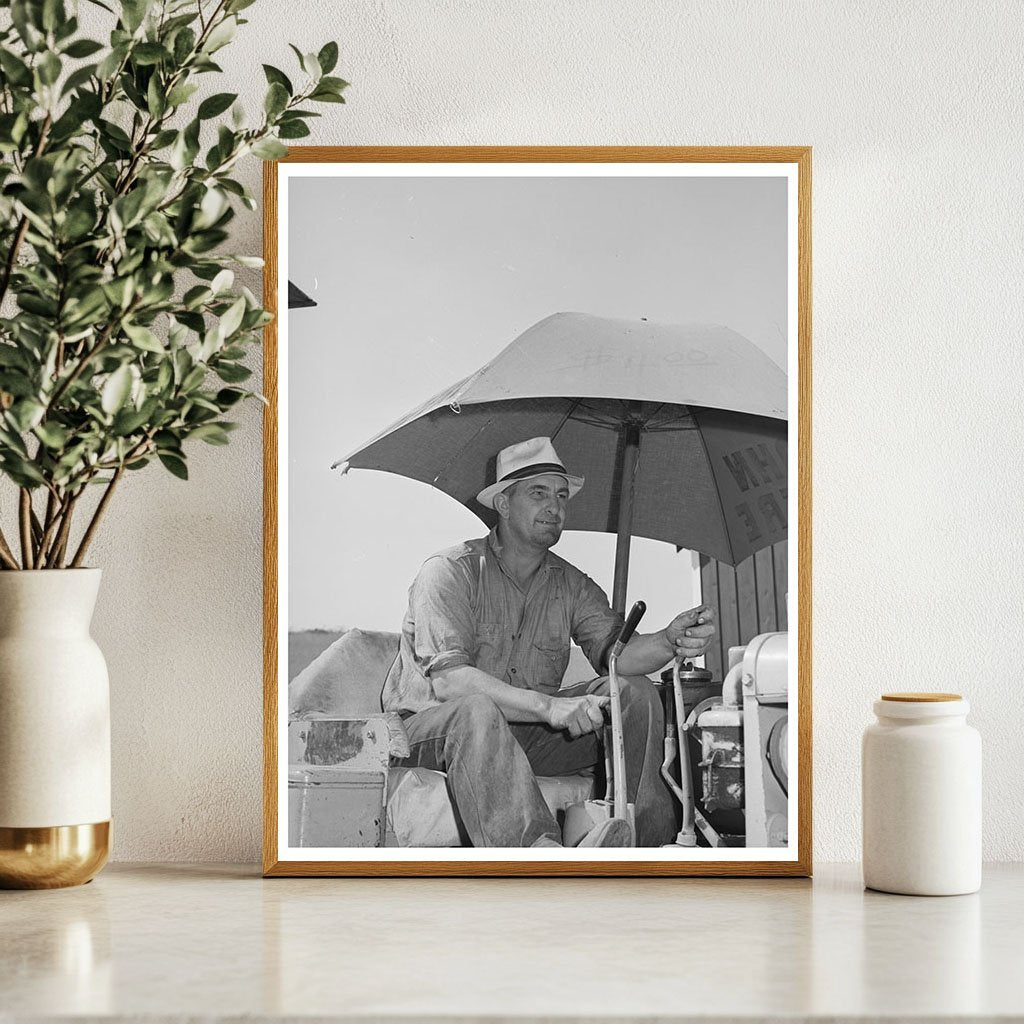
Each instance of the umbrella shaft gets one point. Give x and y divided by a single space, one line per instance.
629 449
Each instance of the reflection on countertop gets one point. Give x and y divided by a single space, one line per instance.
185 940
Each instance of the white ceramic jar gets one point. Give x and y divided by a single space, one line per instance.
921 778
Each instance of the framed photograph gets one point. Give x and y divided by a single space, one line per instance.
537 546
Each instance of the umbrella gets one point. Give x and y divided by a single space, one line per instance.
679 430
297 298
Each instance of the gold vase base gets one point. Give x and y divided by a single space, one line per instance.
53 857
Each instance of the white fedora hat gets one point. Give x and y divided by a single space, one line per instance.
523 461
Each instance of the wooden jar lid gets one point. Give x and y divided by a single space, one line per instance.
921 698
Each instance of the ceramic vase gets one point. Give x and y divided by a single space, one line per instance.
54 731
921 775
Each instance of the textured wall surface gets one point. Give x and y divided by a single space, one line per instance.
913 111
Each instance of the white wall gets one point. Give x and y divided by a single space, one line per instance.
913 110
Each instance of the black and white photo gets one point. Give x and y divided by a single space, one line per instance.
537 542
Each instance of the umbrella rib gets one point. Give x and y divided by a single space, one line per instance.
654 412
461 452
565 419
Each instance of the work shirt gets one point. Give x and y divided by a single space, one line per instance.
466 608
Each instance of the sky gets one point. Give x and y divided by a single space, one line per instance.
420 280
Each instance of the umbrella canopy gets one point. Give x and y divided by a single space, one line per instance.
679 430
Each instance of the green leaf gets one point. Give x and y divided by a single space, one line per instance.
149 53
111 62
116 133
269 149
211 207
211 433
184 44
232 319
129 207
11 443
143 338
276 99
78 78
162 139
324 96
222 281
275 76
26 414
14 68
328 58
175 465
49 68
156 99
233 373
26 22
311 65
35 304
193 379
221 35
167 441
227 397
12 356
293 130
334 84
164 375
53 435
116 390
128 421
21 471
83 48
133 13
214 105
53 14
181 94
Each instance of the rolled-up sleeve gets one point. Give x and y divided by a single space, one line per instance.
441 608
594 624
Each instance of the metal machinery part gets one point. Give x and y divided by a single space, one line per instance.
744 764
580 818
337 781
765 684
721 743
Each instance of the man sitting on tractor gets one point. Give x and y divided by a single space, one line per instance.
484 646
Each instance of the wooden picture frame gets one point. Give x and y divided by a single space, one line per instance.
791 162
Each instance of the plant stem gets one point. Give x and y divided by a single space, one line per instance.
12 254
6 555
97 516
50 525
61 543
25 521
37 531
19 234
85 359
51 509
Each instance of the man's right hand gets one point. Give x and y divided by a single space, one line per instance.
577 715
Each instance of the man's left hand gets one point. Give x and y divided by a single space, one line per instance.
690 633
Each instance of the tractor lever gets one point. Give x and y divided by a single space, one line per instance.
636 613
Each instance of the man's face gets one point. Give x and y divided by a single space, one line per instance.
534 510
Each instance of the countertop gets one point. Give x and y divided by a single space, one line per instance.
176 942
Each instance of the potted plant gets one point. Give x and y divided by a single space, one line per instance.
122 342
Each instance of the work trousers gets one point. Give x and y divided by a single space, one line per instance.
492 764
